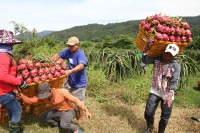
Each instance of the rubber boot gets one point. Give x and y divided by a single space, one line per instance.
161 128
149 127
15 127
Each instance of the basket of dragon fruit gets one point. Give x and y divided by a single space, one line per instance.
163 30
37 69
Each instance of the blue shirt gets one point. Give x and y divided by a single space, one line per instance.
77 79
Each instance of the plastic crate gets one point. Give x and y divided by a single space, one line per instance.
158 46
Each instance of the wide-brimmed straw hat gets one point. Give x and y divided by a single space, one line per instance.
7 37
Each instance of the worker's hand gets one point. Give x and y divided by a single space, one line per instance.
67 73
87 113
168 99
19 91
148 45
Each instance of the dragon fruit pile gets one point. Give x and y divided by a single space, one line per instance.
34 69
167 29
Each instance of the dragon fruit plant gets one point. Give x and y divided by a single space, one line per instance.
40 68
166 28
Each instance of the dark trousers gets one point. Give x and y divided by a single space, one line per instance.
151 106
58 118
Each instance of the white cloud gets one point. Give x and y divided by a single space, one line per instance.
63 14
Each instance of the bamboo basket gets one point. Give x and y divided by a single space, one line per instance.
4 114
158 46
39 108
54 83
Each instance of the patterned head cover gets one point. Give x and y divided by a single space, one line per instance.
7 37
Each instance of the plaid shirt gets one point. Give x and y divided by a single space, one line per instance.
161 77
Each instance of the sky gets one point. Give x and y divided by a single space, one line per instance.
59 15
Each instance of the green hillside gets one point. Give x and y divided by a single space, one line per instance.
96 32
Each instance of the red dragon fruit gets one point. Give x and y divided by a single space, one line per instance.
165 37
38 64
146 27
64 65
43 77
158 36
171 38
25 73
21 67
172 30
22 61
185 25
34 72
189 39
62 71
28 80
188 32
58 67
30 65
57 74
143 23
36 79
182 30
56 56
183 39
160 28
166 30
46 70
59 61
177 39
41 71
52 69
50 76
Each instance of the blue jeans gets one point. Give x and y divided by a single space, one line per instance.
13 107
151 106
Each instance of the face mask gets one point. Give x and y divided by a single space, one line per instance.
6 48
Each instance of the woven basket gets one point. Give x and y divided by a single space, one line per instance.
32 89
4 114
39 108
158 46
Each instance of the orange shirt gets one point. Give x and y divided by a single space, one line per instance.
61 99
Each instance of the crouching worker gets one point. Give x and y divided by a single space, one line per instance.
62 100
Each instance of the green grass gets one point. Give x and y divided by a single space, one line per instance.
190 94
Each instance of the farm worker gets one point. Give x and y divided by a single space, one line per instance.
139 54
76 74
9 82
62 100
166 73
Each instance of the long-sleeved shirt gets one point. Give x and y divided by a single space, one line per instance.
165 77
61 99
8 72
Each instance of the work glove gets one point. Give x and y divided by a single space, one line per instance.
23 85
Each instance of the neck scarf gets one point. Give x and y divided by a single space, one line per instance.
6 48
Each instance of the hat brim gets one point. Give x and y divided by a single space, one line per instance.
13 41
170 51
71 44
44 95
